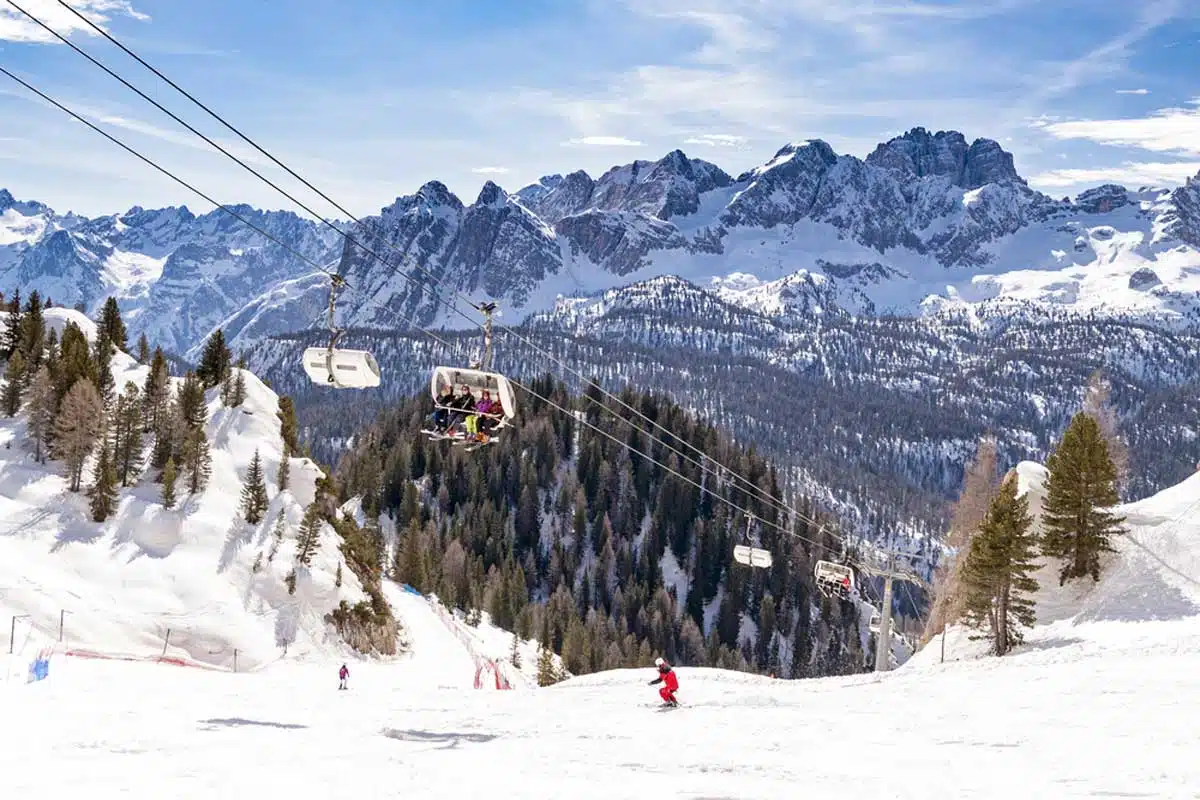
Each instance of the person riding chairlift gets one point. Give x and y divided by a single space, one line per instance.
463 404
441 415
479 424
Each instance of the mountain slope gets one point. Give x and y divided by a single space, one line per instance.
190 569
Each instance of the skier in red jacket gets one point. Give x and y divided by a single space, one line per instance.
666 676
343 674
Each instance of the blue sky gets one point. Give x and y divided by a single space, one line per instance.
372 98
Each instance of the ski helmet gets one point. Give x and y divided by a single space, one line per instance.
658 662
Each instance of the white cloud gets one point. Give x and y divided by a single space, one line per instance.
716 140
1168 130
1133 91
607 141
490 170
1128 174
16 27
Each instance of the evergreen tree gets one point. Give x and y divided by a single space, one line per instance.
283 477
168 484
277 535
197 460
998 568
215 361
102 354
41 412
514 652
111 327
410 561
309 536
156 394
77 428
74 361
290 581
337 578
1081 488
254 492
143 350
14 387
193 408
11 341
103 492
238 394
288 426
127 431
33 332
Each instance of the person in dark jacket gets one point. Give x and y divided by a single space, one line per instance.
666 676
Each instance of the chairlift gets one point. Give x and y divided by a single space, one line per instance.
465 425
875 623
335 367
833 578
753 557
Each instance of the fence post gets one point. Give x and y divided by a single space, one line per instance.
166 641
235 659
61 618
12 631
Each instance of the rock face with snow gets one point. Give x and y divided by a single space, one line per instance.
924 215
176 275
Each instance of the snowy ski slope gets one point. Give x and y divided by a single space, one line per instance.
1101 702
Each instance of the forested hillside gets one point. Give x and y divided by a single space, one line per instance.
629 560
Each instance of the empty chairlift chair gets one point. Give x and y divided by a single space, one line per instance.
338 368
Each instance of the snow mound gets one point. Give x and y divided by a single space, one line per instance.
181 583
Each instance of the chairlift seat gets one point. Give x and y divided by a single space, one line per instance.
875 622
477 381
752 556
341 369
834 577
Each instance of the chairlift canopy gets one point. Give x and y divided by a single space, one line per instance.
477 381
341 369
837 577
752 556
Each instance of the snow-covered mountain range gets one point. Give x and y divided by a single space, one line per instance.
925 222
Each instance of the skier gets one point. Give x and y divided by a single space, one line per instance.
343 674
666 676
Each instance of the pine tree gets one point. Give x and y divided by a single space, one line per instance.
547 675
103 492
290 581
309 535
14 387
288 426
257 563
514 652
102 354
238 394
277 535
41 412
197 460
254 492
227 391
77 428
12 328
215 361
1081 488
283 477
127 430
33 332
193 408
156 394
997 578
168 484
143 350
111 327
337 577
1098 405
410 561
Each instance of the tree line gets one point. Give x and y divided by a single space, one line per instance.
604 556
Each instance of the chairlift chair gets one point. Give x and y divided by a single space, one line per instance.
335 367
476 379
875 623
833 578
752 556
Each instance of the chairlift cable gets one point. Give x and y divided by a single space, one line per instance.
762 495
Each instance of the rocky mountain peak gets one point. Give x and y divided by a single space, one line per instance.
946 153
491 195
6 200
